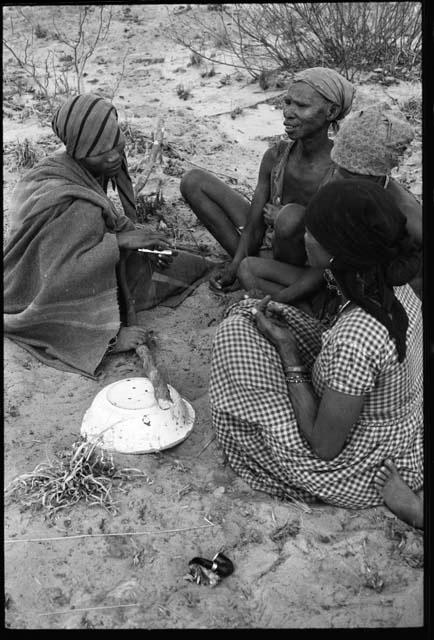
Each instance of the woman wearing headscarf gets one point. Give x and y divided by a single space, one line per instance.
289 175
368 146
331 412
61 295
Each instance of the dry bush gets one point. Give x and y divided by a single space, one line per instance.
350 37
53 74
25 154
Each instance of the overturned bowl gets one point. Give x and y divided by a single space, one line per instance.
125 417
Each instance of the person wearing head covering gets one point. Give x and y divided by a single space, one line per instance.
367 146
62 300
370 144
333 412
290 173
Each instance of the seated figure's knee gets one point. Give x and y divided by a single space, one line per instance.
288 238
246 272
289 221
191 181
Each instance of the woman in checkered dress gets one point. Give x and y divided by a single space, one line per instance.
331 412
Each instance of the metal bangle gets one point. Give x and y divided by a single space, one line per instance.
297 379
296 369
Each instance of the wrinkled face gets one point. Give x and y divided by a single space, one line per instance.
107 164
317 256
305 111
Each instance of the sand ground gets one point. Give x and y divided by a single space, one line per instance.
333 567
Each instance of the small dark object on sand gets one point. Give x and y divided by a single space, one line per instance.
209 572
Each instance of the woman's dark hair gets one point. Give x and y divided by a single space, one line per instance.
359 223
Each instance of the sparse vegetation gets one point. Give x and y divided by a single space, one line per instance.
183 92
351 37
55 74
25 154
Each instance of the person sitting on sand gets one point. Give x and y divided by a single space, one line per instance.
367 146
331 413
290 172
66 237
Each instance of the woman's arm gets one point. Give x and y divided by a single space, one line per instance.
325 422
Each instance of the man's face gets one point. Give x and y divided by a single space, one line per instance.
305 111
107 164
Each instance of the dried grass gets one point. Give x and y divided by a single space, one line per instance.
79 474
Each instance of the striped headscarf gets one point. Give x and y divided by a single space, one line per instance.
331 85
88 125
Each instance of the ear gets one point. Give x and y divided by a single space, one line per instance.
332 111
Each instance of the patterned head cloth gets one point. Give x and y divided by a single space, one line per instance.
359 224
331 85
371 141
88 126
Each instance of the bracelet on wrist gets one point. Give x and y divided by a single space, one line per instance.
297 378
296 369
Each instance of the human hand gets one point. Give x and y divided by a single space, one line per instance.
141 239
271 324
162 260
270 212
223 277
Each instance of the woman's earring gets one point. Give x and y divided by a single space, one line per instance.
331 282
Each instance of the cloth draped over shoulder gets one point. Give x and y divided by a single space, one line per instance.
60 291
277 175
62 301
331 85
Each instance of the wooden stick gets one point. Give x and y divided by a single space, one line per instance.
161 389
247 106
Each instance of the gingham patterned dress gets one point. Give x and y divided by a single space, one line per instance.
256 425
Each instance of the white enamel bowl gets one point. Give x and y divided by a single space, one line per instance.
125 417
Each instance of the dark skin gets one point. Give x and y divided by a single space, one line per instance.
299 286
327 421
109 164
307 117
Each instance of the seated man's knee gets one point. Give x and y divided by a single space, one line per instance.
289 221
288 239
246 271
191 181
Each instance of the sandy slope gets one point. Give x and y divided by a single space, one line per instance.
328 569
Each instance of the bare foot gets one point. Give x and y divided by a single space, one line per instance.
130 338
398 496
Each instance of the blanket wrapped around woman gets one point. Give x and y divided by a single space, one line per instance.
60 288
61 293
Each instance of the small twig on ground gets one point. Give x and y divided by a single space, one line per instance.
206 446
248 106
103 535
